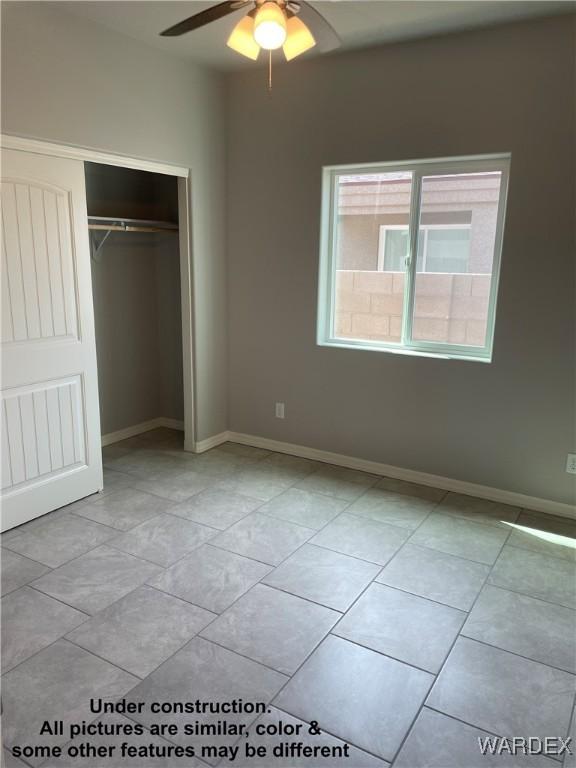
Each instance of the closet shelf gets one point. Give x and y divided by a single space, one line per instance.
130 225
109 225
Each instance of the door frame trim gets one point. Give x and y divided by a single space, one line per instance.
183 175
72 152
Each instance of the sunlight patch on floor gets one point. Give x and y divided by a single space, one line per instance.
553 538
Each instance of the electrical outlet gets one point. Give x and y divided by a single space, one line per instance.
571 464
279 410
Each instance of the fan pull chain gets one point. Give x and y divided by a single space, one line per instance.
269 71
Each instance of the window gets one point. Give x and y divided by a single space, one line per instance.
411 255
441 248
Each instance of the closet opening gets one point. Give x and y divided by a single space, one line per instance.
133 222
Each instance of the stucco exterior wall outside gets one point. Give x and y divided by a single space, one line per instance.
447 308
365 207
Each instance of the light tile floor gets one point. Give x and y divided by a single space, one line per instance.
408 622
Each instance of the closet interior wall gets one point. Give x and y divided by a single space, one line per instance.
137 301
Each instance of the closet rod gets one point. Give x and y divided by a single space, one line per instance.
109 225
129 225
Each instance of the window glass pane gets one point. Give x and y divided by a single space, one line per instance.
395 249
370 246
447 250
454 272
422 244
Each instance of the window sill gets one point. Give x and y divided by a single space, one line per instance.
363 346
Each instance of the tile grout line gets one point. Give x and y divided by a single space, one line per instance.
526 594
58 600
259 505
459 720
45 648
113 663
69 605
301 597
570 561
417 594
484 585
409 533
154 562
287 675
519 655
338 738
571 719
52 568
384 655
80 517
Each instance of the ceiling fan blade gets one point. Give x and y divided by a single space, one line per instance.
326 36
205 17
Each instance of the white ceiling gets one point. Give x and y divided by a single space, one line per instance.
359 23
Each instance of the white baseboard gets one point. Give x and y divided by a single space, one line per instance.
139 429
211 442
171 423
410 475
376 468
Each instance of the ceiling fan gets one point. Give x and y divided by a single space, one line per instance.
293 25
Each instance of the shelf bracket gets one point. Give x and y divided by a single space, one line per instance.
97 245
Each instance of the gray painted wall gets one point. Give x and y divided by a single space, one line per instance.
68 80
136 286
509 424
169 326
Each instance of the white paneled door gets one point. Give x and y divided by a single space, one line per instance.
50 417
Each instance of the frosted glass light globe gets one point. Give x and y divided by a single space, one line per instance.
270 27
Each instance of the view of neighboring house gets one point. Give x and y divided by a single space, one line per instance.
454 256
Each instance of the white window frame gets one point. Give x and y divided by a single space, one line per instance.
385 228
326 336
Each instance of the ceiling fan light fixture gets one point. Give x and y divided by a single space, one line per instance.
270 26
299 38
242 39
